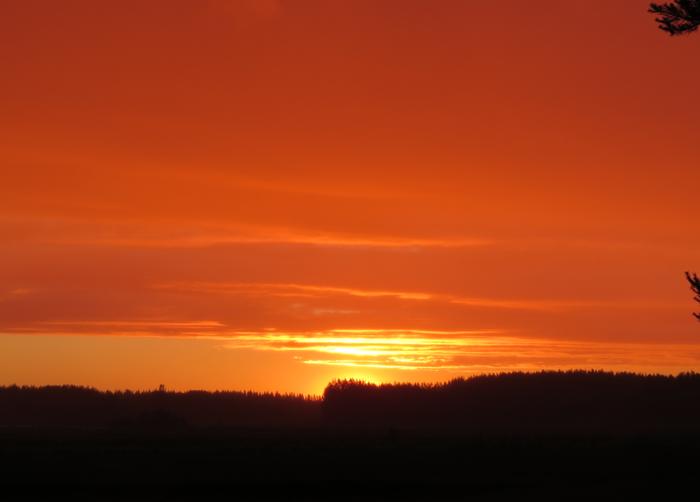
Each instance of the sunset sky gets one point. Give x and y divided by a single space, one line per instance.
269 194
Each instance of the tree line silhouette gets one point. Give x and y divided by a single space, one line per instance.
594 401
73 406
545 401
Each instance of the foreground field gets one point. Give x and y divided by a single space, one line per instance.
565 435
326 464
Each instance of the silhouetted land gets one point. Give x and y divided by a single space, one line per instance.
570 434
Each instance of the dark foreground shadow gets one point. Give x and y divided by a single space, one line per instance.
571 436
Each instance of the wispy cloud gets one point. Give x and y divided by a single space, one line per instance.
148 328
163 233
292 290
204 239
138 324
465 352
262 8
14 293
390 348
453 351
289 290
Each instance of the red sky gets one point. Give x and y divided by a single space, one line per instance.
269 194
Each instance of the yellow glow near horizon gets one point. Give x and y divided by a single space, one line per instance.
391 348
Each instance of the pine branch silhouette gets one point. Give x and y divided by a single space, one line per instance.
694 281
678 17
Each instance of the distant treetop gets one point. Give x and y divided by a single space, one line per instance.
678 17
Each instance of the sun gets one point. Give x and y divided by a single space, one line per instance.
362 375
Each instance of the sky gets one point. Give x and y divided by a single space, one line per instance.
271 194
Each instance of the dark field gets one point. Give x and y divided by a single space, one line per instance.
361 442
325 464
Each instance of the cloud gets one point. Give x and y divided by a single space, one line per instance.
464 352
320 291
261 8
389 348
163 233
460 352
14 293
288 290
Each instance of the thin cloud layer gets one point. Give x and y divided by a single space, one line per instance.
466 352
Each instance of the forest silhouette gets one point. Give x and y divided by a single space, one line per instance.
572 401
489 437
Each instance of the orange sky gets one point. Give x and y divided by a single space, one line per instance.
269 194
